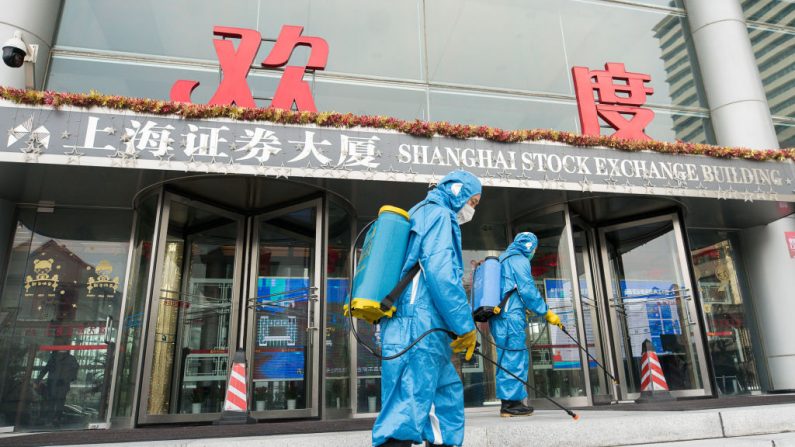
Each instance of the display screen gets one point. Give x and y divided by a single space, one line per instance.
281 323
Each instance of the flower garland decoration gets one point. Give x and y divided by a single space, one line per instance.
415 128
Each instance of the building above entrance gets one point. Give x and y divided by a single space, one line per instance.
104 137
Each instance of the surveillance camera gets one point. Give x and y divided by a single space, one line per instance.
15 51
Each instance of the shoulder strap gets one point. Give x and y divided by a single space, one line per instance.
389 299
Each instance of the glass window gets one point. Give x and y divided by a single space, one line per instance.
368 366
786 134
778 12
135 80
181 28
340 226
774 51
59 315
370 99
504 111
516 112
132 325
364 37
534 44
728 315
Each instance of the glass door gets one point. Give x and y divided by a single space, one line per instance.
593 314
193 317
651 298
283 312
556 362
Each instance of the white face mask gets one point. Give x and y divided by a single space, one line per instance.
465 214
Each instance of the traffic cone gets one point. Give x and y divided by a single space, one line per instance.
236 403
653 386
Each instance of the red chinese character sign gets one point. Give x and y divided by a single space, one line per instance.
235 65
619 96
790 235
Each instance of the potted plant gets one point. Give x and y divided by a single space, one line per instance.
291 394
260 394
198 398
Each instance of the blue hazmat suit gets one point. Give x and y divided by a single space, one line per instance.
508 327
422 397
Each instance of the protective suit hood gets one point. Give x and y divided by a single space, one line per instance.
455 189
525 244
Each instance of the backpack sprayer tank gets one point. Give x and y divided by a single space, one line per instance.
380 264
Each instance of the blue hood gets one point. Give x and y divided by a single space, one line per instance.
524 243
455 189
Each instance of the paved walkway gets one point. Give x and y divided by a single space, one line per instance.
769 425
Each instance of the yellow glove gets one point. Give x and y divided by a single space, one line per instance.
466 343
553 319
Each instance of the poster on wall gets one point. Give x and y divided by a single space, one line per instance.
651 313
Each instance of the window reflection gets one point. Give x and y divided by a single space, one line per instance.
59 316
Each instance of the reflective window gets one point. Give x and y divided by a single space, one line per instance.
369 99
135 80
718 270
132 324
779 12
175 28
337 353
59 317
516 112
786 134
364 36
774 51
534 44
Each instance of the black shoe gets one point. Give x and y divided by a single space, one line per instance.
430 444
513 408
396 443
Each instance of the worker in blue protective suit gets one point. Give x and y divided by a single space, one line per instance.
422 396
508 327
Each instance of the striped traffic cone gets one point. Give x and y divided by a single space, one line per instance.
653 386
236 403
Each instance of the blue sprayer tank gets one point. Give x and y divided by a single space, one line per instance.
486 289
380 264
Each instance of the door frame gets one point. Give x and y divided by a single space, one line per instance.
690 303
311 374
153 299
567 235
602 335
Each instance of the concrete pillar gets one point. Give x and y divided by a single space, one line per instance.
37 19
737 103
770 270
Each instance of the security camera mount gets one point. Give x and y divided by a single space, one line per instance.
30 62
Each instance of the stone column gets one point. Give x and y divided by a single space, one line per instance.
737 103
37 20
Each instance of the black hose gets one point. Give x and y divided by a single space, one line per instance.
544 395
451 334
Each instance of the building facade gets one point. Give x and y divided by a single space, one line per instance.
133 269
